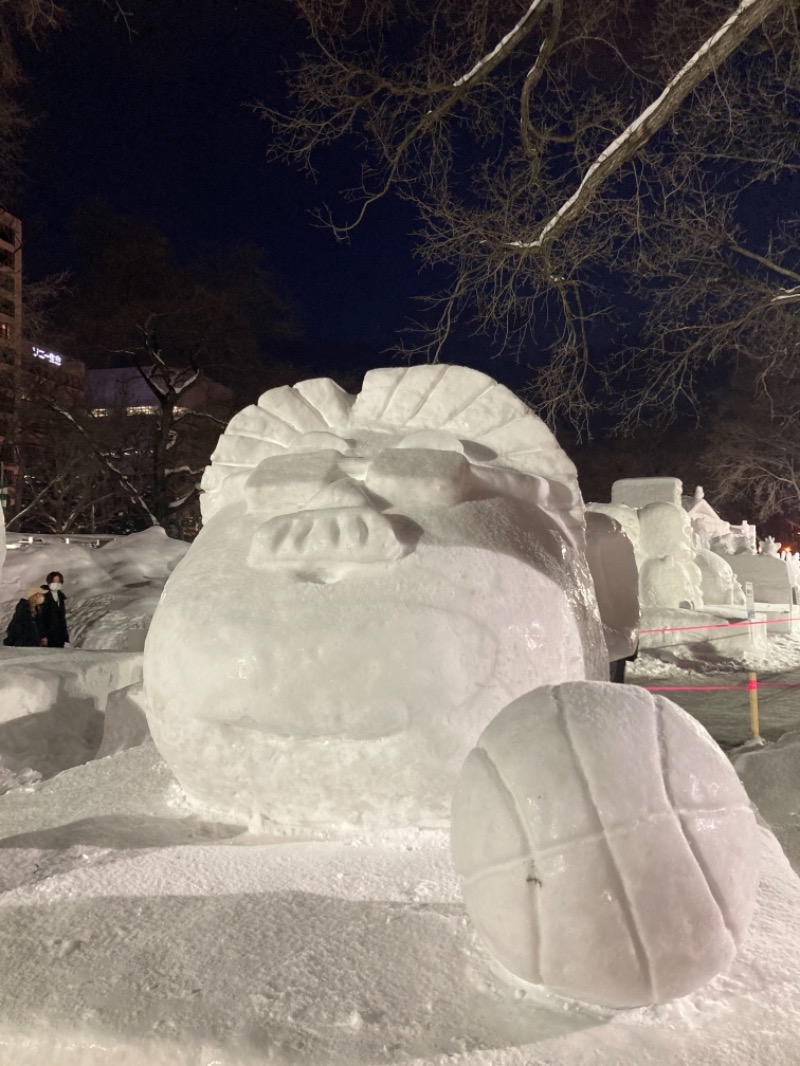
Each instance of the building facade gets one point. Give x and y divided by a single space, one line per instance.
10 280
29 373
10 343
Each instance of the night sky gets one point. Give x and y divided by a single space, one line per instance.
156 124
154 120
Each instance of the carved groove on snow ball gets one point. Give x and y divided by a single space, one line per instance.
514 807
716 894
637 941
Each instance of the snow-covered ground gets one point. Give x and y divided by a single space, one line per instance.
137 928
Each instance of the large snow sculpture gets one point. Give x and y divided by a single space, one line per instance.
606 846
377 576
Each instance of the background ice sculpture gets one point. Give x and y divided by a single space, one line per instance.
377 576
606 846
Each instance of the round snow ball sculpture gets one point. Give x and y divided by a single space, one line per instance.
606 847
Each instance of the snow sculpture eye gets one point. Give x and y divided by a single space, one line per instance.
285 483
416 476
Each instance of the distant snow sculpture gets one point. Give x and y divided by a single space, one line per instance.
606 847
719 582
668 573
770 546
377 576
676 569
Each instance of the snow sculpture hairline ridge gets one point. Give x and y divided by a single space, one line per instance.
467 403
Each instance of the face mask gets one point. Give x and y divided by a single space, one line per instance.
55 586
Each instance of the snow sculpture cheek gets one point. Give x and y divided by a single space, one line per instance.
606 846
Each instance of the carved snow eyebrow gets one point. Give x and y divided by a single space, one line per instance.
284 483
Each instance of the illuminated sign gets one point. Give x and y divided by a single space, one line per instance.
49 357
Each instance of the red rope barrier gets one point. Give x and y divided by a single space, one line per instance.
719 688
695 688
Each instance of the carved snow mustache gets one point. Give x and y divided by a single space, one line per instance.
330 535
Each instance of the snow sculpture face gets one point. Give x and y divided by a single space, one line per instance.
377 576
606 847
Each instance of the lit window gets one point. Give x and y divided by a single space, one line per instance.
100 412
5 331
141 410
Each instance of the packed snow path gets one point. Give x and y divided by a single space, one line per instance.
725 710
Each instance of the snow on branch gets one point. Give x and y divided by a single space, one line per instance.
786 296
192 494
105 459
506 45
749 15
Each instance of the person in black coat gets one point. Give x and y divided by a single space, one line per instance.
54 612
25 628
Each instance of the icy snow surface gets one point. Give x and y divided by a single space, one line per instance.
606 846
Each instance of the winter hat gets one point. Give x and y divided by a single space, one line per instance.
34 590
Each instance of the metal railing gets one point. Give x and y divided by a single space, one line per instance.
89 540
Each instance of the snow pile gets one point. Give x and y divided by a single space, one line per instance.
52 705
53 702
112 591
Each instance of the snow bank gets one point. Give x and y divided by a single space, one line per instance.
112 591
52 704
